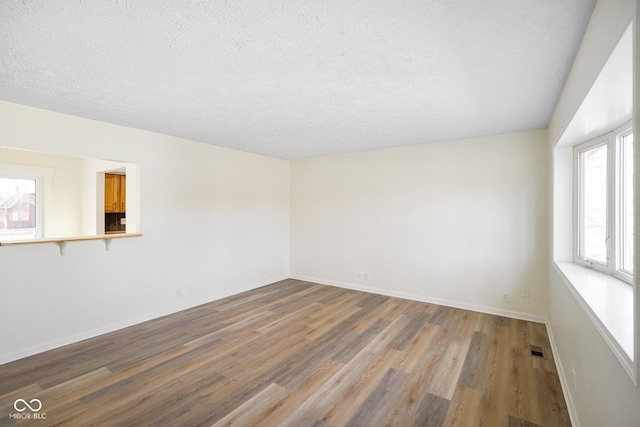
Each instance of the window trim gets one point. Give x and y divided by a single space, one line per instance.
614 212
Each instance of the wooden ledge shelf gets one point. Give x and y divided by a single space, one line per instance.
62 241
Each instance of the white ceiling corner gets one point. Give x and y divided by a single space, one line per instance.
295 79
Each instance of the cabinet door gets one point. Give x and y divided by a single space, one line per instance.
122 193
111 192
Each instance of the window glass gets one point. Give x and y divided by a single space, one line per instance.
626 214
594 203
18 210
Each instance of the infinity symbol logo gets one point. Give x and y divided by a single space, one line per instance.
23 407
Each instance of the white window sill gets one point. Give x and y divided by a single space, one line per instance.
608 302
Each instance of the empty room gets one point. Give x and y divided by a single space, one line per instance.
319 213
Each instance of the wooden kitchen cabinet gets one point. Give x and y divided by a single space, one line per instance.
115 193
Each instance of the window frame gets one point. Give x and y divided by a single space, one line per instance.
43 179
614 187
617 136
578 202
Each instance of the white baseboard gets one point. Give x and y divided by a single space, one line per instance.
9 357
423 298
50 345
573 415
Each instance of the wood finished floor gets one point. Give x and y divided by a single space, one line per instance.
298 354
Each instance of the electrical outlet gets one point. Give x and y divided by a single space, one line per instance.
366 276
506 297
360 275
178 292
525 293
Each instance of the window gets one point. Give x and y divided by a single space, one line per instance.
625 203
603 203
20 208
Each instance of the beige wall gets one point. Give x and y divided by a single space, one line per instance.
64 216
458 222
215 222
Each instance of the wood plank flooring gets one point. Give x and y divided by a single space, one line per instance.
297 354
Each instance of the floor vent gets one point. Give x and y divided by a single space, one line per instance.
537 351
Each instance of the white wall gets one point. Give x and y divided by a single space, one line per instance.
609 20
457 222
215 222
604 394
63 216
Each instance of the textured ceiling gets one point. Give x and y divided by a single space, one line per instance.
295 79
